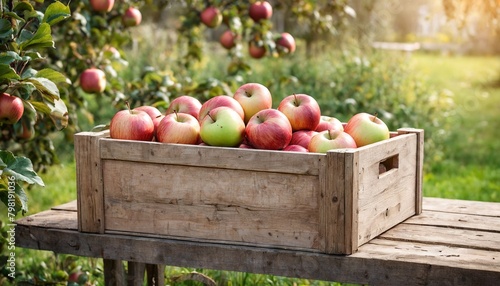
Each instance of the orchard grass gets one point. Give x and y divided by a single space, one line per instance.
462 162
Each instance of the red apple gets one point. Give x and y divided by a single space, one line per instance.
102 5
260 10
329 123
245 146
218 101
152 111
366 129
11 108
295 148
93 80
255 50
285 43
131 17
156 122
302 110
131 125
185 104
222 126
211 17
253 97
181 128
302 137
228 39
268 129
329 140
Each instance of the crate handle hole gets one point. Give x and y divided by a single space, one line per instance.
388 165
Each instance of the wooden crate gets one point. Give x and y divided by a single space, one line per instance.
330 203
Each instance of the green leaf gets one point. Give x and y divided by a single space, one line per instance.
29 73
7 73
5 28
41 39
54 76
46 87
25 89
22 7
40 107
20 168
9 57
56 12
59 114
20 197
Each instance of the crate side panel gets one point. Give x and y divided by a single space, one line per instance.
388 198
210 203
89 182
208 156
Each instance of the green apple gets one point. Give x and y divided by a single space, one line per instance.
222 126
366 129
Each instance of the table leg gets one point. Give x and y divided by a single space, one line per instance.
135 273
114 273
155 274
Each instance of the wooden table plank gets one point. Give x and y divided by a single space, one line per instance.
456 220
70 206
364 267
489 209
448 246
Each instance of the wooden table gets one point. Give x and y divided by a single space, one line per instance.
453 242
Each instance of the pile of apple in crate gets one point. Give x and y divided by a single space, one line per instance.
247 120
230 176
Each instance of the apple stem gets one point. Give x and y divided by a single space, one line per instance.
375 116
176 115
295 100
128 106
208 114
330 134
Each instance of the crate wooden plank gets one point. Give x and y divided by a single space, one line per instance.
455 220
378 208
174 204
214 157
485 240
89 181
462 206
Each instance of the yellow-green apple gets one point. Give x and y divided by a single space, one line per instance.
181 128
256 50
222 126
268 129
93 80
131 17
329 123
302 110
102 5
211 17
285 43
228 39
366 129
11 108
131 125
260 10
329 140
295 148
253 97
185 104
302 137
218 101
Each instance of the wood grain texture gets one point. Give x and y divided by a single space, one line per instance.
488 209
89 181
378 262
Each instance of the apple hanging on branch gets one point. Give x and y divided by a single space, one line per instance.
93 80
132 17
11 108
102 5
211 17
260 10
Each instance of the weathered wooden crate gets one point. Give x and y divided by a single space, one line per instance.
330 203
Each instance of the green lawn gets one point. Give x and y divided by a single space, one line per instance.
467 167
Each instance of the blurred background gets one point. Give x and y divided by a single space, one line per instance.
426 64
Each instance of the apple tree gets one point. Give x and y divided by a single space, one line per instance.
25 36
